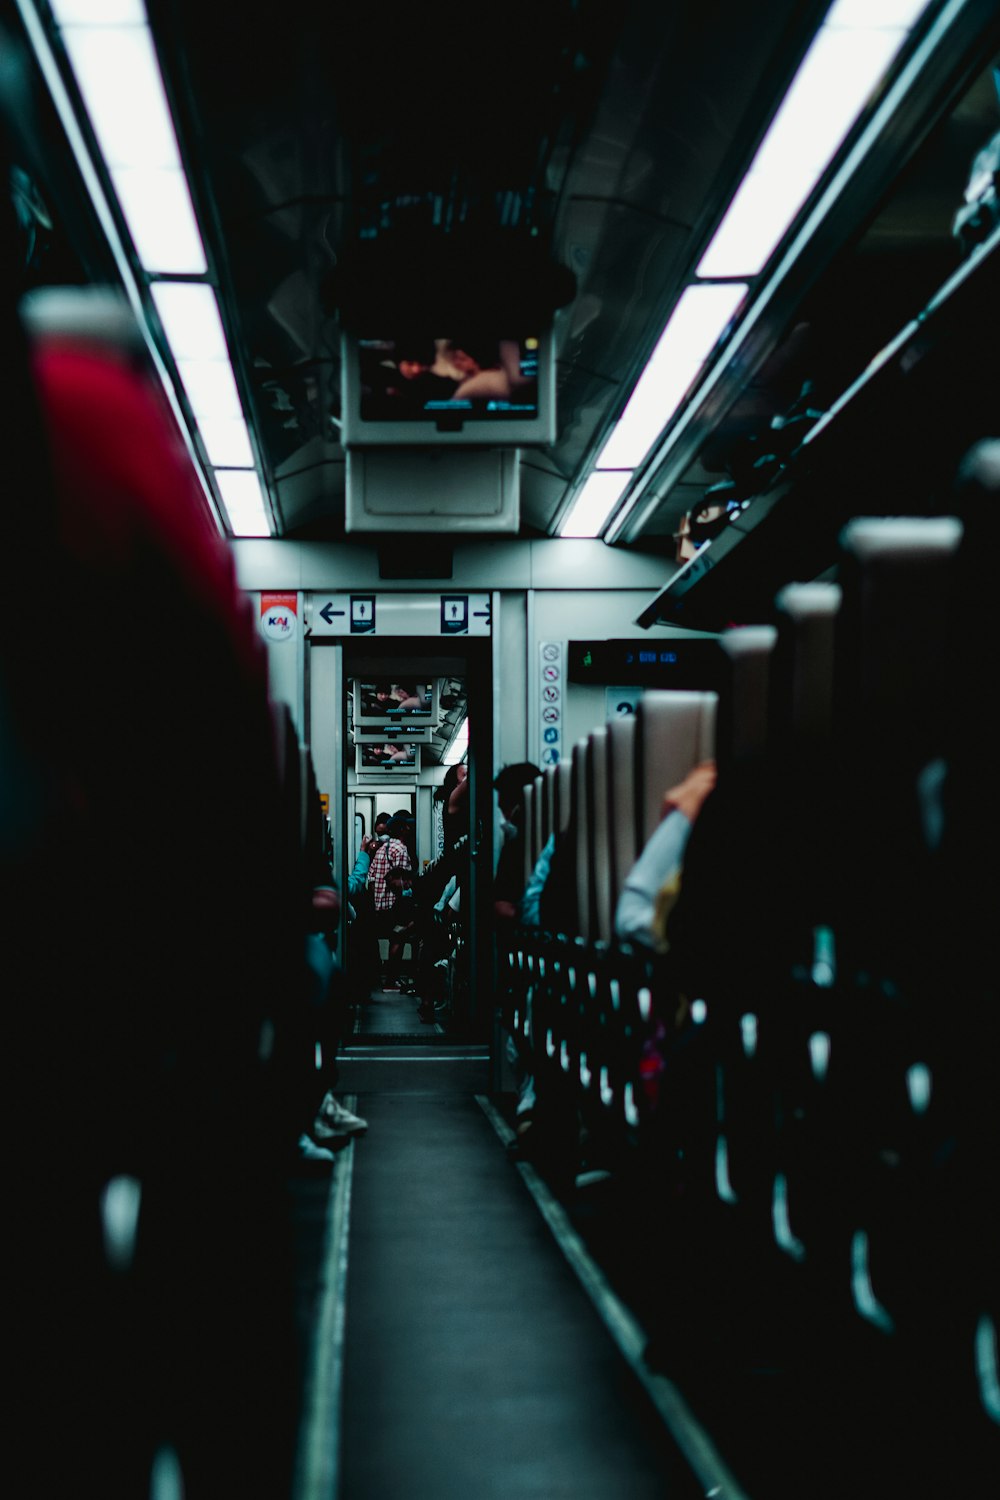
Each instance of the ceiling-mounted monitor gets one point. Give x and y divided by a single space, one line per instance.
486 392
379 702
387 759
412 734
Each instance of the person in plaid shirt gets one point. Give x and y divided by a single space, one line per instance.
389 875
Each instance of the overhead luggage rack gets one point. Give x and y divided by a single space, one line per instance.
896 433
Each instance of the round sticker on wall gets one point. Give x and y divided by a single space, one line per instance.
278 616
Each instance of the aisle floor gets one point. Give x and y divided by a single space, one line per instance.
475 1365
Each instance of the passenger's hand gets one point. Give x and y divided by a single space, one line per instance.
688 795
326 902
369 843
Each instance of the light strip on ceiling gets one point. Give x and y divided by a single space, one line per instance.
192 324
243 498
110 47
66 112
693 330
695 326
226 442
98 12
595 502
116 68
191 320
910 78
849 56
458 749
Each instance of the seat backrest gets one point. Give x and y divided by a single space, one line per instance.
528 846
547 804
744 707
579 826
622 847
800 711
564 796
892 661
601 913
674 732
535 835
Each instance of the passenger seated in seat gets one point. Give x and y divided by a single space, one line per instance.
653 884
362 939
507 891
549 899
508 883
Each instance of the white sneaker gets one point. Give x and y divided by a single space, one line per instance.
309 1151
334 1120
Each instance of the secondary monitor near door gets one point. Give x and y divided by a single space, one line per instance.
381 701
387 759
479 390
413 734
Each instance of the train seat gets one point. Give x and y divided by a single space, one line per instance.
530 847
599 815
743 709
736 928
674 732
580 763
622 850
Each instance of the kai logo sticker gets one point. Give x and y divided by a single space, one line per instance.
279 616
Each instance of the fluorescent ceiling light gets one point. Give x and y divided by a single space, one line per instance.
98 12
459 746
156 203
227 442
850 54
119 78
870 15
211 390
191 320
595 502
692 332
243 499
189 313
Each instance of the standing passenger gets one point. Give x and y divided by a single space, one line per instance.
386 881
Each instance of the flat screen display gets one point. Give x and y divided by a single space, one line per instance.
413 734
483 390
387 758
379 701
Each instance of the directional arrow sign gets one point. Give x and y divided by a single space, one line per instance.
327 613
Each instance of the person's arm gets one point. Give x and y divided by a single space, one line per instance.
446 894
531 901
661 858
689 794
498 384
485 385
358 878
458 797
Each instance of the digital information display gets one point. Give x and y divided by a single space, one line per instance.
688 665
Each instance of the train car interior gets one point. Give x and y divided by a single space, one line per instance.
498 813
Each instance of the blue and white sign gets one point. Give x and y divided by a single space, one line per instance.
551 693
332 615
